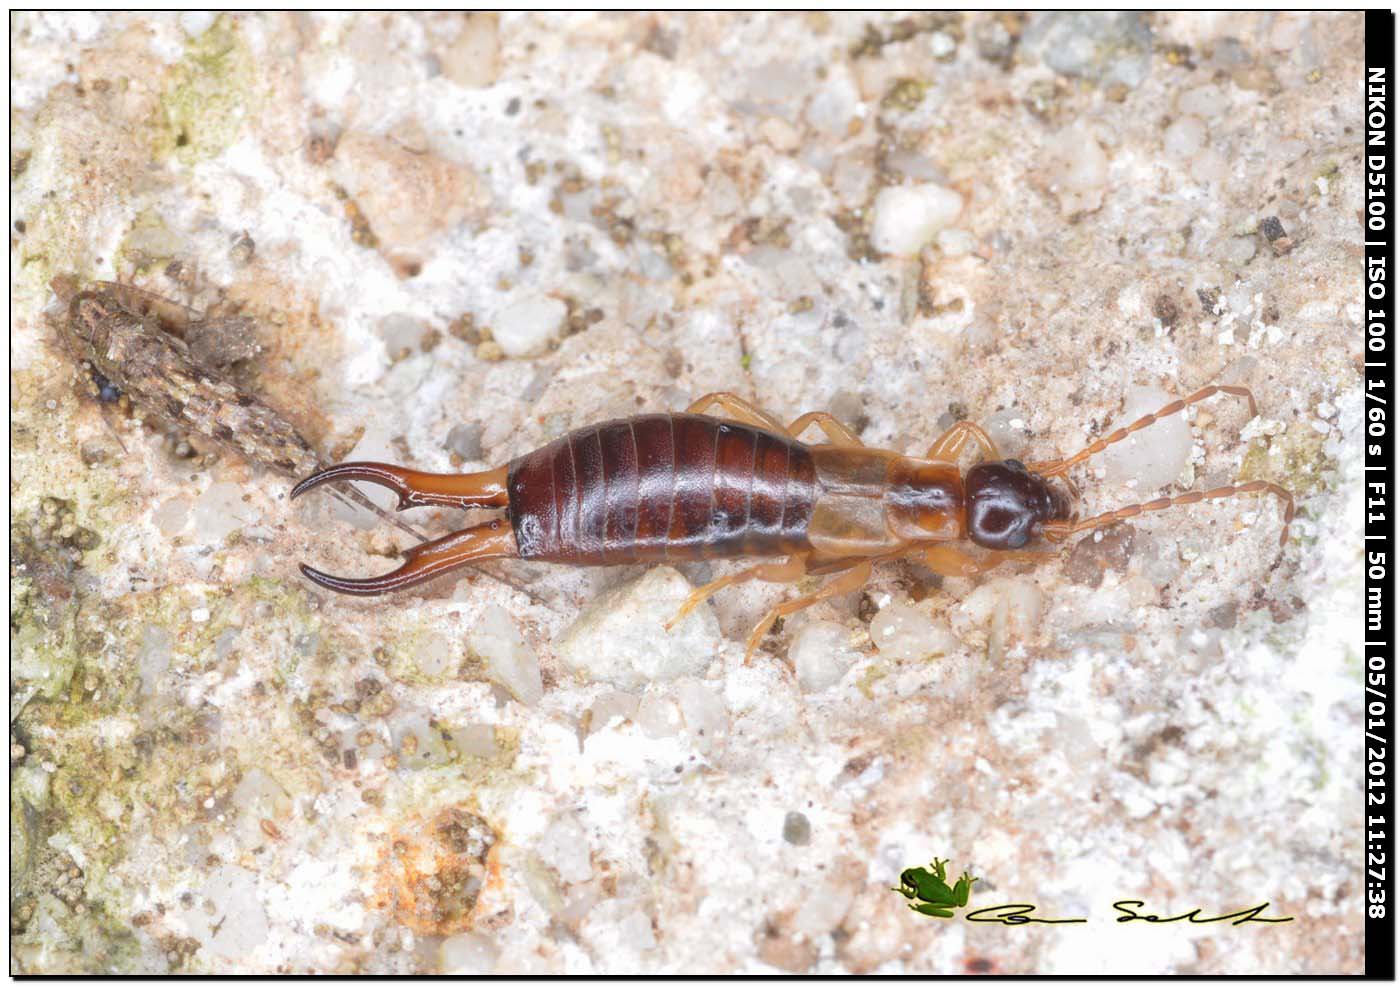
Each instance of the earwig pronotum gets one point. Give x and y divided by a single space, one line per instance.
683 487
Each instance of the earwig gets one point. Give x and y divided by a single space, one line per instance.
683 487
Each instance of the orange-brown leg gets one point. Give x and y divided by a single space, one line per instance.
741 410
494 539
786 571
839 586
839 434
1055 467
950 445
1058 532
737 408
945 559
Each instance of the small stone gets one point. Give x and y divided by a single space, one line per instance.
1008 430
797 830
220 510
1239 250
1210 167
402 334
908 217
1184 137
510 661
1108 48
659 715
1272 228
200 615
473 59
621 637
609 707
704 713
564 846
1077 169
380 174
526 327
821 653
475 740
1013 603
1100 552
464 441
904 633
1154 456
468 955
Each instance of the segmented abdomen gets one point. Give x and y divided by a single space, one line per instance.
661 487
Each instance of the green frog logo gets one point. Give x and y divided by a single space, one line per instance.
930 888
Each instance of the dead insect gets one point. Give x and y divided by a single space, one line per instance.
128 337
683 487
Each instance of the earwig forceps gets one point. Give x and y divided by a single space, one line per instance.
493 539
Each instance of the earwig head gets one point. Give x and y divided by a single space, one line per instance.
1007 504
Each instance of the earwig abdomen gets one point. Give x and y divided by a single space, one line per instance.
662 487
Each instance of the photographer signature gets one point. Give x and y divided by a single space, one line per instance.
929 893
1010 914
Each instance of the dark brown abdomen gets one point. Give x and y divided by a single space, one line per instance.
661 487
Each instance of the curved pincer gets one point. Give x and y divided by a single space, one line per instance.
419 489
494 539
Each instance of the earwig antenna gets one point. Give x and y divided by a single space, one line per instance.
1056 467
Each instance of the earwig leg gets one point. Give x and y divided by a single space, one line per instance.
839 586
950 445
417 489
956 563
840 435
788 571
494 539
737 408
1055 467
1058 532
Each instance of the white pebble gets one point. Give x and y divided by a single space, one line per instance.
196 22
468 955
526 327
909 216
564 846
833 106
621 637
659 715
1209 167
1077 169
904 633
704 713
200 615
1155 455
1240 250
475 740
611 706
1007 430
1207 101
822 654
1005 607
510 661
220 510
1184 137
433 655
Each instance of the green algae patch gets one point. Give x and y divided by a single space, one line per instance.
1296 460
208 96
